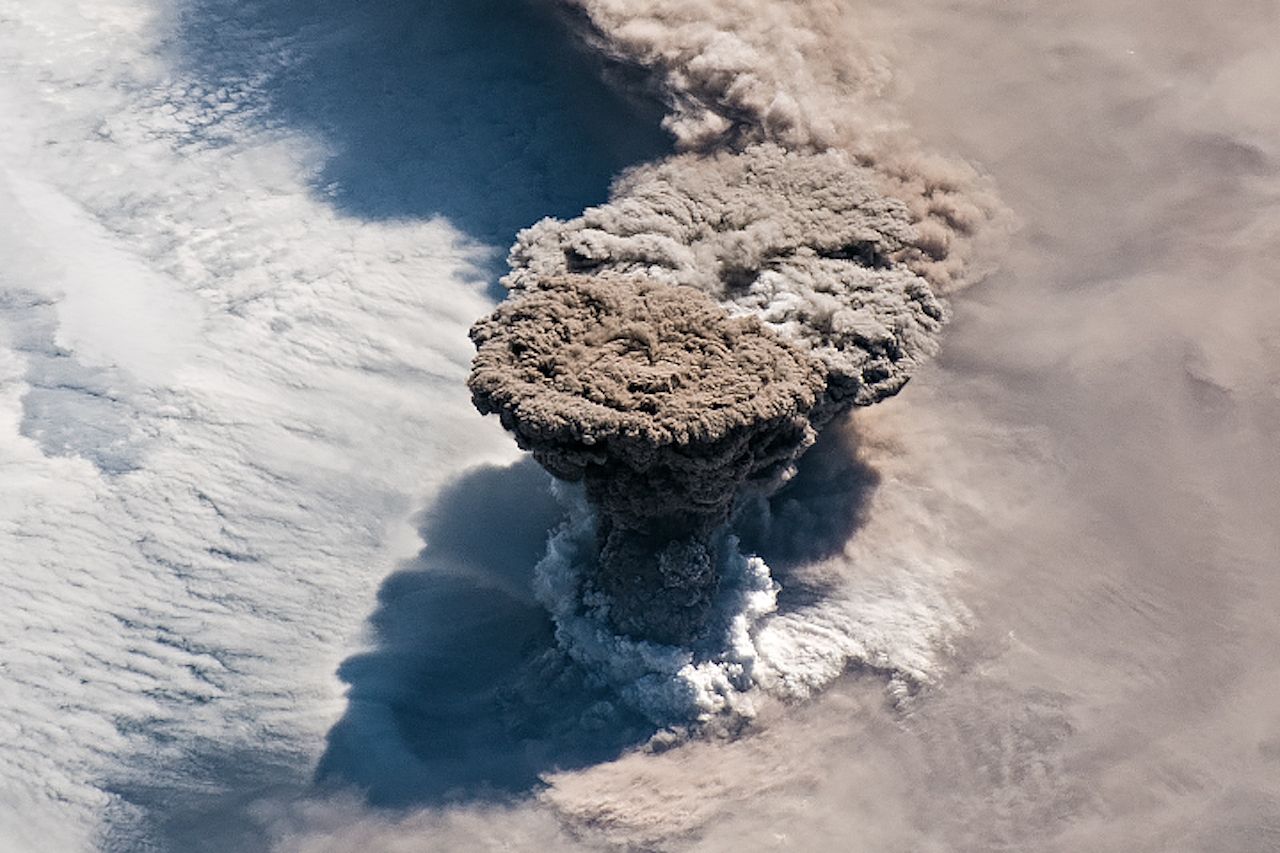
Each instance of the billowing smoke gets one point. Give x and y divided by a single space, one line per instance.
804 241
733 73
679 347
664 405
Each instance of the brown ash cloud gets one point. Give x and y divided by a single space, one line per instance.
805 242
680 345
734 73
665 406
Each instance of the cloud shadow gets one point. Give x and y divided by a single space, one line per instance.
813 516
464 694
484 112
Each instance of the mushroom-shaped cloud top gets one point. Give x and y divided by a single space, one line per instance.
618 371
806 242
664 404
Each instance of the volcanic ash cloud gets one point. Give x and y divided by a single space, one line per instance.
684 342
680 345
800 74
805 242
665 406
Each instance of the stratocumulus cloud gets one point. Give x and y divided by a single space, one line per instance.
211 376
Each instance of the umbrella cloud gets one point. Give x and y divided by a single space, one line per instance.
803 241
664 405
677 348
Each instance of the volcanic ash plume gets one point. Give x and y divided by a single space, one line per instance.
680 345
805 242
664 405
733 73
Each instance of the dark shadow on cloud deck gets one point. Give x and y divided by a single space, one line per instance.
486 113
813 516
465 694
463 697
481 111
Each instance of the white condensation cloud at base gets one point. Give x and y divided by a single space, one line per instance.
888 605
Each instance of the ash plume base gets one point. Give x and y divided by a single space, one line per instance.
753 647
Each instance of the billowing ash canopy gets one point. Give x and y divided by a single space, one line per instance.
651 384
665 405
807 243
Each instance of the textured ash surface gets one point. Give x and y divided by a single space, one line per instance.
665 405
806 242
631 365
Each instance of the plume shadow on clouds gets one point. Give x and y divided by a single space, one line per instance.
462 697
813 516
482 111
465 695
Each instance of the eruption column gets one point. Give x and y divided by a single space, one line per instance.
665 407
684 342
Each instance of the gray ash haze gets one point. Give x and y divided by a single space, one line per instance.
272 583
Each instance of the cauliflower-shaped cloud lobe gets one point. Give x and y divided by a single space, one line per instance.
805 242
665 405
